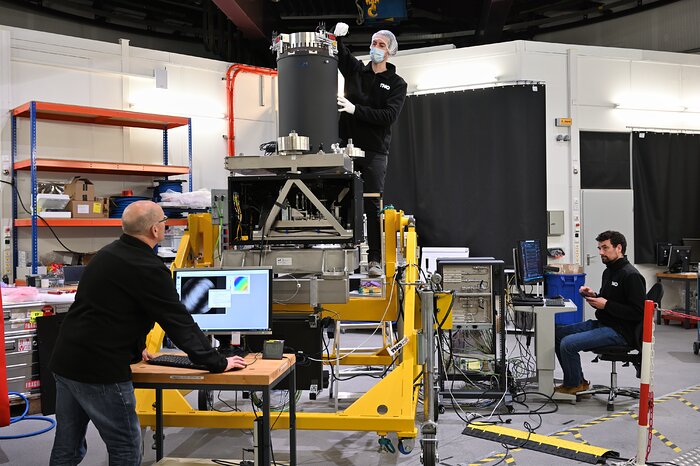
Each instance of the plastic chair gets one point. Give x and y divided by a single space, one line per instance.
625 354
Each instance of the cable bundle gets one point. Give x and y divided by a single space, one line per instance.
119 203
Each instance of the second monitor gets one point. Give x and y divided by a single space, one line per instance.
678 259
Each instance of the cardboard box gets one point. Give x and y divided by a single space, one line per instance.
86 209
80 189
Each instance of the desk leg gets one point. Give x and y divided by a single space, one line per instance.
159 424
264 443
658 314
293 417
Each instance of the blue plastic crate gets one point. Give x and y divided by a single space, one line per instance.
566 285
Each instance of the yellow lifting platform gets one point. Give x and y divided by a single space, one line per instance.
388 407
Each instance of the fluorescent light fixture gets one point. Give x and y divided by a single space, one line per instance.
652 108
459 75
168 101
649 102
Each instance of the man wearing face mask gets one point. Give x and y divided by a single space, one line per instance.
374 96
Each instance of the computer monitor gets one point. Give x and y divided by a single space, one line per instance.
662 251
529 268
72 274
232 299
694 244
678 259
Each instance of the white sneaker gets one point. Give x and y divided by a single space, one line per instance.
374 269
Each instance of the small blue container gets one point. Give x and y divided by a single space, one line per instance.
566 285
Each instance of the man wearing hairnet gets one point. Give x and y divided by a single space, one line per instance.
374 96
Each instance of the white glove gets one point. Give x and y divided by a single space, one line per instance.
345 105
340 30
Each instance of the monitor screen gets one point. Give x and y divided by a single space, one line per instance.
694 244
678 259
228 299
662 252
530 268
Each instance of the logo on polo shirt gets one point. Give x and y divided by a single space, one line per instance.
613 283
385 86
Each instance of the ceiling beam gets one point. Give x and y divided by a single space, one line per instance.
247 15
493 17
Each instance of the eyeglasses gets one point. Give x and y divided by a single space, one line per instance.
164 219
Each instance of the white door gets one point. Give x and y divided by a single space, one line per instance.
604 209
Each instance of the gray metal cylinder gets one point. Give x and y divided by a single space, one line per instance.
307 81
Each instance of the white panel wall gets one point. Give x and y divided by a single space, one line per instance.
54 68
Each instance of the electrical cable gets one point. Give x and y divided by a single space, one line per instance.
24 416
386 310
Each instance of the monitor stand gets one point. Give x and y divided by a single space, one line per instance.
232 347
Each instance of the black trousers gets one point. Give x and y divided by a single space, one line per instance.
373 171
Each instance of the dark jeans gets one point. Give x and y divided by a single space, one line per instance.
569 340
111 408
373 170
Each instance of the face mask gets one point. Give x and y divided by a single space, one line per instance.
376 55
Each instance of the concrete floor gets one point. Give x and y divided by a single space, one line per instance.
676 422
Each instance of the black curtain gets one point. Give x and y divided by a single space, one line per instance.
605 160
471 167
666 190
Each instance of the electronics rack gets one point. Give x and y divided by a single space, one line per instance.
479 294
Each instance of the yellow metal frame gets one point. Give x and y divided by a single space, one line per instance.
389 406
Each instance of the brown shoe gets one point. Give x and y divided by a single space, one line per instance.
573 390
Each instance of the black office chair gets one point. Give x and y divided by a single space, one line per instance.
624 354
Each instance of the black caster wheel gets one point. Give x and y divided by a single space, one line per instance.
428 456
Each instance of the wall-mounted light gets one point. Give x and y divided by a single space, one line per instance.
652 107
451 77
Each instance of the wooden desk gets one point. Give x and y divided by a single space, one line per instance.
688 279
261 375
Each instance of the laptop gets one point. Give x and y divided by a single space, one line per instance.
72 274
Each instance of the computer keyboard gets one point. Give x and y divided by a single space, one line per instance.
520 300
174 360
554 301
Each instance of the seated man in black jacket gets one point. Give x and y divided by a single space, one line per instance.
124 290
619 308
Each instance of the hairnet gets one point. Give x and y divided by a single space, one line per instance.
390 38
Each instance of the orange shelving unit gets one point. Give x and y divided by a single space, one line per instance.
36 110
86 222
98 116
83 166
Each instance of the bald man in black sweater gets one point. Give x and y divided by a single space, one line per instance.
125 289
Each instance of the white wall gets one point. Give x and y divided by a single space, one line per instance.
48 67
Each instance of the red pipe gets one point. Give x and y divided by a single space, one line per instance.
231 74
